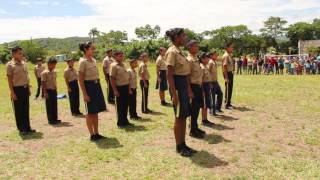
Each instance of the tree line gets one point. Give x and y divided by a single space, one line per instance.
275 37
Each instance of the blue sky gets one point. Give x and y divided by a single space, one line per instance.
23 19
32 8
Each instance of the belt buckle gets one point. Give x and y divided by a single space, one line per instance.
25 86
96 81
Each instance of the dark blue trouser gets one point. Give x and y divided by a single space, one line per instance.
216 91
74 97
21 108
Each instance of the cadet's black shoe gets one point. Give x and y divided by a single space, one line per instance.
31 131
23 133
201 131
196 134
220 111
214 114
229 106
99 137
190 149
149 111
93 138
182 150
207 123
135 117
163 103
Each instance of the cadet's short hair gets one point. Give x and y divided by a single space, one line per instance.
203 55
192 42
16 49
52 60
144 55
174 33
117 52
108 50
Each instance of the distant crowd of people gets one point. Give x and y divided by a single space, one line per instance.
278 65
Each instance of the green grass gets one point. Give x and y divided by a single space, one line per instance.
273 134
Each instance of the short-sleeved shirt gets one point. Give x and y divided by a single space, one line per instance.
106 64
161 63
119 72
213 69
70 74
178 61
50 79
19 73
38 70
196 74
143 69
132 78
206 73
89 68
228 61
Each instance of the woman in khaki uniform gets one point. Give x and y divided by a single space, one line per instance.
178 72
91 89
38 69
162 83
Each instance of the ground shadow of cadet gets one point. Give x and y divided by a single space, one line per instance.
221 127
215 139
37 135
157 113
135 128
108 143
226 118
143 120
63 124
207 160
243 109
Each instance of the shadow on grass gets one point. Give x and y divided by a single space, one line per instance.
226 118
143 120
207 160
221 127
243 109
63 124
215 139
37 135
135 128
157 113
108 143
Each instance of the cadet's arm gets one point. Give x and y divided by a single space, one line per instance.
81 82
171 81
114 86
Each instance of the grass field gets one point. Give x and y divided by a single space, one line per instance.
274 133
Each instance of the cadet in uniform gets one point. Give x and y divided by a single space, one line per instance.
71 79
91 89
228 69
144 82
133 89
120 84
216 89
49 89
178 72
106 70
162 83
196 76
206 86
38 69
18 80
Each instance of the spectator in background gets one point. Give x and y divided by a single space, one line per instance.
307 67
245 65
239 65
281 65
287 65
260 64
255 65
250 65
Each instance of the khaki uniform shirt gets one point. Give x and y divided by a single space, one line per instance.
213 70
19 73
119 72
38 70
206 73
89 68
50 79
196 74
228 61
132 78
161 63
143 69
70 74
175 58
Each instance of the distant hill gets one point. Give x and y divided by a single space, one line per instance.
58 45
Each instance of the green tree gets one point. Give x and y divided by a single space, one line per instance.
5 54
93 33
32 50
147 32
274 27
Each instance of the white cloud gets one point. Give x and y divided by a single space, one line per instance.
126 15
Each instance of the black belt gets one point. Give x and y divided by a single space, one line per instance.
23 86
92 81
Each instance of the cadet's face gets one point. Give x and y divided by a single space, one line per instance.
194 49
134 64
146 58
51 66
181 39
18 55
120 57
71 63
90 50
230 49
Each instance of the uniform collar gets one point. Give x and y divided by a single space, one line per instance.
119 63
176 49
17 62
193 57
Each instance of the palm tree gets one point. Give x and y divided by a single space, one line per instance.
93 33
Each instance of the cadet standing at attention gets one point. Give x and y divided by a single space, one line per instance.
18 80
133 89
162 83
206 86
49 88
38 69
91 89
196 77
216 89
120 84
71 79
228 68
144 82
106 70
178 72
